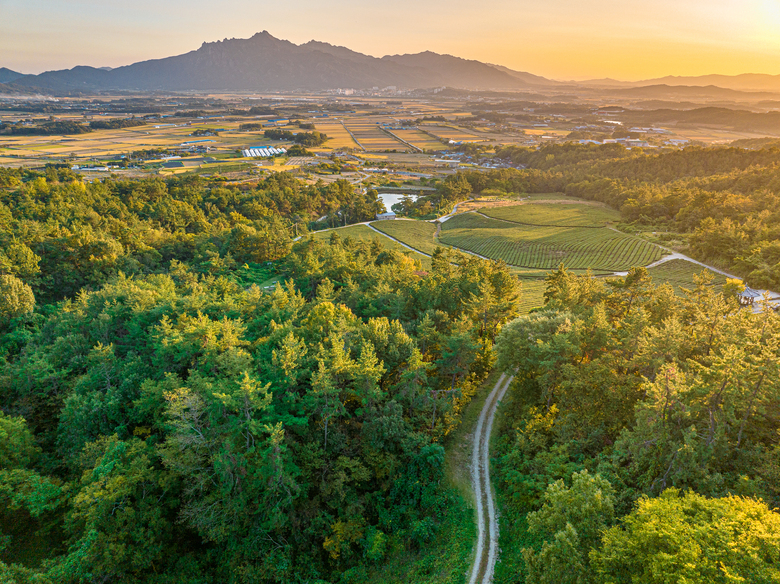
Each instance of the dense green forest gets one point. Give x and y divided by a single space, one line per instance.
640 442
171 421
168 414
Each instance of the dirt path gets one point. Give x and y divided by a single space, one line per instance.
678 256
774 297
487 522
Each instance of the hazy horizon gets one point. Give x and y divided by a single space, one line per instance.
562 40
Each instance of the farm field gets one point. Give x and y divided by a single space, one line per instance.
554 215
532 295
338 136
363 233
416 234
101 143
553 197
372 138
680 273
546 132
601 250
419 139
452 133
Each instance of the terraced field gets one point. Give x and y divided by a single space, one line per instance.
679 273
559 215
362 232
547 247
416 234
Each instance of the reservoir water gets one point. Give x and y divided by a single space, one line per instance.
390 199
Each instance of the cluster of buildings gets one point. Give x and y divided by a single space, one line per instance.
262 152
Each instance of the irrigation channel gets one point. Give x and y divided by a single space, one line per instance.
487 518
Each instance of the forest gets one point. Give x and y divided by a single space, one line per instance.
165 419
167 414
640 442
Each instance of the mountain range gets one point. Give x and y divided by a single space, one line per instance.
268 64
265 63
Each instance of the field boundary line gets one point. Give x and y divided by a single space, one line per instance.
412 146
343 125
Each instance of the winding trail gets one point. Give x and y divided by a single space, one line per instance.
487 523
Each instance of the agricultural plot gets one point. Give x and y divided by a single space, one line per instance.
416 234
555 215
602 250
451 133
102 143
364 233
368 134
550 197
547 132
680 274
338 136
532 295
419 139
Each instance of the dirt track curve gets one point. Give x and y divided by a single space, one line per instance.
487 523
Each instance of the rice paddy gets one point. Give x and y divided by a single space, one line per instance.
452 133
337 134
419 139
371 137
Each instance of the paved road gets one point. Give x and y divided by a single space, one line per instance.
487 518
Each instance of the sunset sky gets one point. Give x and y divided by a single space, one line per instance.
561 39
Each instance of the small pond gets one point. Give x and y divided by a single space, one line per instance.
390 199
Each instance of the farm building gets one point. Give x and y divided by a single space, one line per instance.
382 216
748 296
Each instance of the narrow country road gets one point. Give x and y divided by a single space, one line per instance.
487 520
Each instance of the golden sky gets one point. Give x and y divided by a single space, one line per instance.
560 39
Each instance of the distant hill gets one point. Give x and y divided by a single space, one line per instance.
744 82
529 78
687 91
8 76
739 120
265 63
